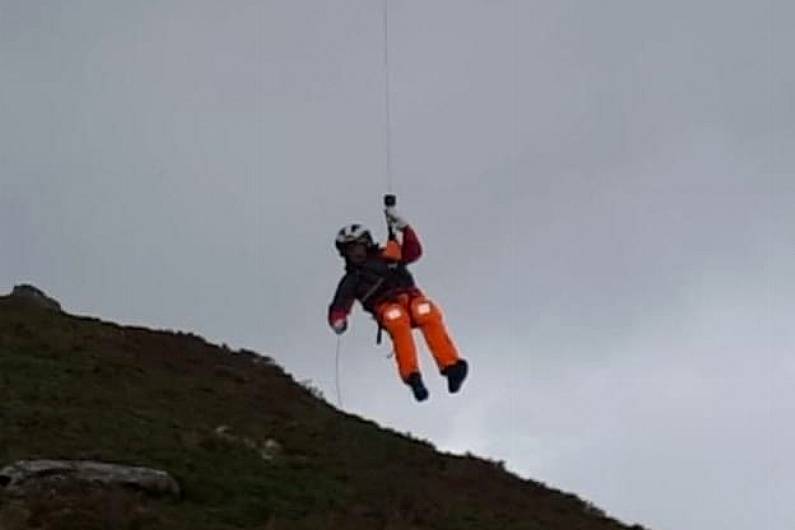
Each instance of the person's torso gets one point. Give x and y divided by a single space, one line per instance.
378 279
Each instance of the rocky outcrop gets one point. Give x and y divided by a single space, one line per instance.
31 475
35 296
269 450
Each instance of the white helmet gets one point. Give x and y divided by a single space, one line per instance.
354 233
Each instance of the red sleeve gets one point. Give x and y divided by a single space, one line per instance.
336 314
412 249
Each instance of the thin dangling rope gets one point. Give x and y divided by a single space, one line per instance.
388 123
337 372
388 168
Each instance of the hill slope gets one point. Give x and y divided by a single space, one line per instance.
250 447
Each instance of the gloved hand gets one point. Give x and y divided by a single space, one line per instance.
397 222
339 326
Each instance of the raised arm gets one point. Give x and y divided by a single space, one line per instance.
411 249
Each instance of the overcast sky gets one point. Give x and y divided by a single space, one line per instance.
605 192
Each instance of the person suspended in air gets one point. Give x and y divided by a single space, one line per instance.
380 280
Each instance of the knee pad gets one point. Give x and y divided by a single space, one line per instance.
423 311
394 317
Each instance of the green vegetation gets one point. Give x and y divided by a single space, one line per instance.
77 388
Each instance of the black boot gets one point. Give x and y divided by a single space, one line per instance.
417 386
455 374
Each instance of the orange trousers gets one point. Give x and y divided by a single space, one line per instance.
399 317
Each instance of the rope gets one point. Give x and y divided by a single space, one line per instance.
388 123
337 372
388 166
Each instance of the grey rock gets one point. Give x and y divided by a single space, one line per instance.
20 477
36 296
269 450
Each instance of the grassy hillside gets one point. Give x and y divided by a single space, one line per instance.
78 388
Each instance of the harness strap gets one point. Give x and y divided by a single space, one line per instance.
372 290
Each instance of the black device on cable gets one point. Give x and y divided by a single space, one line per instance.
390 201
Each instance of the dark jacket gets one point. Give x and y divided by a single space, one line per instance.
376 280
